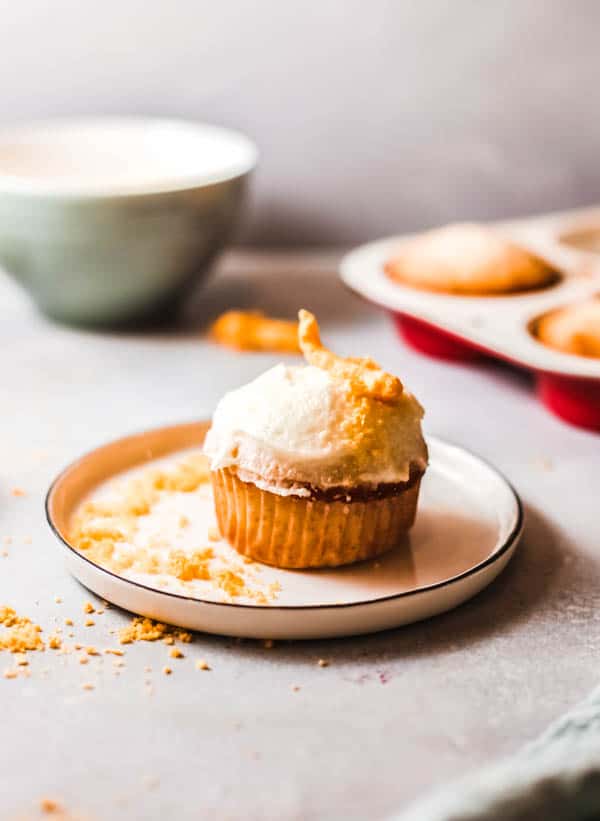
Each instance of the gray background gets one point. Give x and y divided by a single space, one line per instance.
372 117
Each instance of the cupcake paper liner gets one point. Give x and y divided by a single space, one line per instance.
295 532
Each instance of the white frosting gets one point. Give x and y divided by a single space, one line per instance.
295 425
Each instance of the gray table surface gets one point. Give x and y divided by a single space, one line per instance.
394 713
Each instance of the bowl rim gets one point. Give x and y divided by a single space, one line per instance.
54 187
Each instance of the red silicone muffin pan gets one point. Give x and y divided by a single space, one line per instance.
453 327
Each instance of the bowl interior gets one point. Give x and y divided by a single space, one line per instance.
121 155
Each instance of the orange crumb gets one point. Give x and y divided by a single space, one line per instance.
88 607
69 622
49 806
10 673
111 652
91 651
147 669
190 566
253 331
231 583
21 659
295 688
202 664
89 623
83 659
18 491
99 612
21 634
213 534
167 671
87 686
78 646
54 642
58 599
168 640
175 653
142 629
5 553
323 663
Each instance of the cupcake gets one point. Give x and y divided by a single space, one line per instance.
470 260
316 465
574 329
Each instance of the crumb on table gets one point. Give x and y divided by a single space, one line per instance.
20 634
144 629
48 805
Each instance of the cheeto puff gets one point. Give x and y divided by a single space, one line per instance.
364 376
253 331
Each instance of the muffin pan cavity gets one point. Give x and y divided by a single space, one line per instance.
451 327
575 326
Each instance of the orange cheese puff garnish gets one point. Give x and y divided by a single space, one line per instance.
364 376
252 331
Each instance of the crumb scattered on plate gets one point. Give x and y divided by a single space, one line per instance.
132 526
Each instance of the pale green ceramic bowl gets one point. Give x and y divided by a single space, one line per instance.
109 221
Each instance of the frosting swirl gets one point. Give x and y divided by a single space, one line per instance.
294 426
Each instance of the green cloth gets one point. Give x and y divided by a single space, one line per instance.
555 778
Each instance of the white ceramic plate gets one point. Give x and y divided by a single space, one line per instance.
468 525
